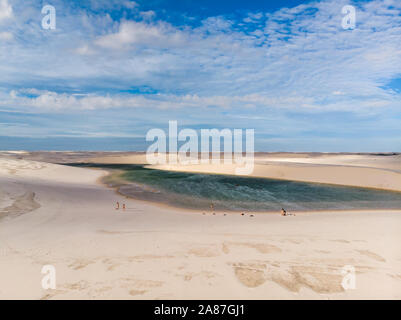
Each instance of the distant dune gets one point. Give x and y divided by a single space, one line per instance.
362 170
375 170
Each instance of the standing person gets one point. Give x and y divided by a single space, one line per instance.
118 205
123 206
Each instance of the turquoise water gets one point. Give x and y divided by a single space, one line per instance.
243 193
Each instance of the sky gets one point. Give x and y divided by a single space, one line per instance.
112 70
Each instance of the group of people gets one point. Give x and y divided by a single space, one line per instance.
283 212
118 206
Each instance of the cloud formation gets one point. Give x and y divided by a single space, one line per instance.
6 10
292 60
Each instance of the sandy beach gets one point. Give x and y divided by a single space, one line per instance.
62 216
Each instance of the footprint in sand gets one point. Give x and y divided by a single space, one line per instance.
22 204
260 247
318 279
340 240
80 264
372 255
395 276
52 294
292 278
80 285
137 292
204 252
251 274
204 275
137 287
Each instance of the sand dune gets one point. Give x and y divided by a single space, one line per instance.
381 171
153 252
332 174
370 171
21 204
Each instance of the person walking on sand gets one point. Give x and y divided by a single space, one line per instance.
123 206
118 205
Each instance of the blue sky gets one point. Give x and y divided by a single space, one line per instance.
112 70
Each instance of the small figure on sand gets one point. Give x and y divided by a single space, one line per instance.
118 205
284 213
123 206
212 207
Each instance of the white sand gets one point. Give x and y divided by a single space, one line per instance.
151 252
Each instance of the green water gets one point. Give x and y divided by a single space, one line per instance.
195 190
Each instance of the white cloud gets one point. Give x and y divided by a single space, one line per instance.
6 35
283 72
33 99
140 33
299 58
148 15
6 10
84 50
130 4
